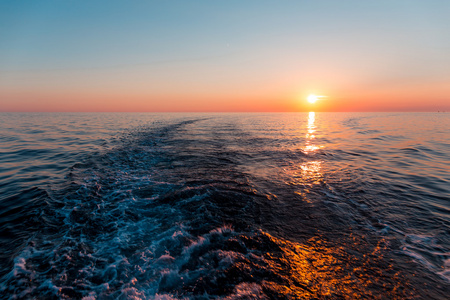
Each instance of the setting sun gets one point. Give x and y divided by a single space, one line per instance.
313 98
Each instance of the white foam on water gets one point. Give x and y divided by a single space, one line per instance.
446 269
247 291
419 245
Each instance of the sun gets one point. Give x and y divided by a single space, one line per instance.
313 98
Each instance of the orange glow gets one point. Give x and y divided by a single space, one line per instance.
318 270
278 98
84 101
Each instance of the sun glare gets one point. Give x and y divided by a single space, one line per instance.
313 98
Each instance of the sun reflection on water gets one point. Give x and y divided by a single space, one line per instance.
307 172
310 136
310 171
311 126
318 270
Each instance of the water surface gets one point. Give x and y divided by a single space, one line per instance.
224 206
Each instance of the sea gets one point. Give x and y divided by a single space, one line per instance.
224 205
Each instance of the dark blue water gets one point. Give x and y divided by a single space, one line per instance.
225 206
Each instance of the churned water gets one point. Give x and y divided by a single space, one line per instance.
224 206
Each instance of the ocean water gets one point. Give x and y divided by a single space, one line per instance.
224 206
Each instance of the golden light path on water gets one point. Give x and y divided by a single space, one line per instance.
308 173
349 267
320 270
310 170
311 129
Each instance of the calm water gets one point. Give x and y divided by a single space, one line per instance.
225 206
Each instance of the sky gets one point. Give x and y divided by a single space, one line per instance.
208 56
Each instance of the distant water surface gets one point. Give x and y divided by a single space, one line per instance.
224 206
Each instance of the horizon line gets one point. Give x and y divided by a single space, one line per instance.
305 111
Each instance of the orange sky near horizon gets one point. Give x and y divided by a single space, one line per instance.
55 103
425 97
